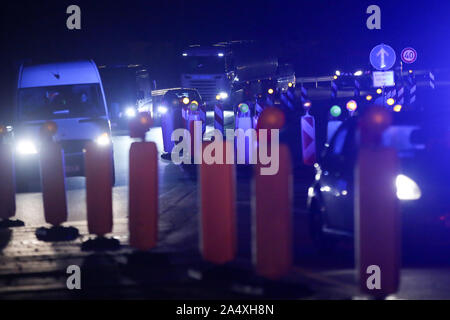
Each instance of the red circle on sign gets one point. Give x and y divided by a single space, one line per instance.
409 55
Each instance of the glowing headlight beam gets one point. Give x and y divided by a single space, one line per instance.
407 188
26 147
103 139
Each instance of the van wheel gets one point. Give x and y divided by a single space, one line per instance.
323 242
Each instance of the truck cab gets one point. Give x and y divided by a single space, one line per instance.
71 95
204 69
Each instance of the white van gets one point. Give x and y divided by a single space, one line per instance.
70 94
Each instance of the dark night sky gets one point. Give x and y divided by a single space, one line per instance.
318 36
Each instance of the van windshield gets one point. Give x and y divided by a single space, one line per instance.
60 102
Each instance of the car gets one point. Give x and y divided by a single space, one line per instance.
171 110
423 148
71 95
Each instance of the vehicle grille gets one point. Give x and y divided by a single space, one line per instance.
73 146
206 88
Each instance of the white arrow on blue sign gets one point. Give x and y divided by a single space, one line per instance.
382 57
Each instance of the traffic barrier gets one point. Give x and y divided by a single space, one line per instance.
98 167
7 178
270 98
202 113
218 212
143 195
401 95
195 125
391 93
432 80
332 127
259 107
51 158
286 101
412 88
143 188
218 117
376 209
272 209
308 139
291 96
244 121
303 94
334 90
357 90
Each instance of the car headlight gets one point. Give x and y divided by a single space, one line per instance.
223 95
162 110
130 112
26 147
103 139
407 189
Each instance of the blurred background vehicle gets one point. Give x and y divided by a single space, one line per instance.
423 147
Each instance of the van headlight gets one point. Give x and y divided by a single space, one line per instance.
407 188
103 139
26 147
130 112
162 110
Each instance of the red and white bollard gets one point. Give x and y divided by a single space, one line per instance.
99 172
377 216
245 145
272 211
52 176
218 221
98 163
7 185
308 139
51 159
143 187
194 123
218 117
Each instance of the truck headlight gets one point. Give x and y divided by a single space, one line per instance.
26 147
407 188
103 139
223 95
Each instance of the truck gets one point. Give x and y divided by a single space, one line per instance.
222 70
128 90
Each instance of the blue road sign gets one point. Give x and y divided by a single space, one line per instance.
382 57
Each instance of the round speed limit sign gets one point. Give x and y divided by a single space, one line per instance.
409 55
